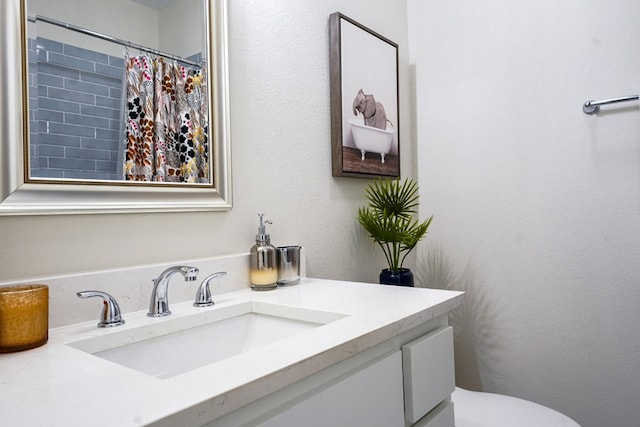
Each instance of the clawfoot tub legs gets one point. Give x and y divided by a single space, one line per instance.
364 152
371 140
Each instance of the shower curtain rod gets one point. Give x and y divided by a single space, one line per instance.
109 38
592 107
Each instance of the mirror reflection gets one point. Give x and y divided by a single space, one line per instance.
118 91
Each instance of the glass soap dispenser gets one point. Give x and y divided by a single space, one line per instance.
264 270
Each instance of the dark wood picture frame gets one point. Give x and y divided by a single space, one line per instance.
365 119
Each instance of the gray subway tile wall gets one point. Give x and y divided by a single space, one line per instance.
75 97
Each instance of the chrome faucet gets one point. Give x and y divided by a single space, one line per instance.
203 295
110 315
159 305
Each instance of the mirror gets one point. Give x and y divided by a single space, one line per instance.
50 132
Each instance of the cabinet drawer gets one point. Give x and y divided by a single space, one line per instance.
428 372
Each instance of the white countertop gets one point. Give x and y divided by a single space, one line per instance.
58 385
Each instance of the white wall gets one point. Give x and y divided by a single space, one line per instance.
162 29
185 16
280 126
536 205
122 19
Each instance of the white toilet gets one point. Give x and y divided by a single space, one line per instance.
476 409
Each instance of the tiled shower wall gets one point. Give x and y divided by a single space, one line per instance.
75 100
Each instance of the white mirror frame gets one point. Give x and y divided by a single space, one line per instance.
18 197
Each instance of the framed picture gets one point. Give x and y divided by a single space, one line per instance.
365 137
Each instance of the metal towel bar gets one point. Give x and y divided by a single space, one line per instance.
592 107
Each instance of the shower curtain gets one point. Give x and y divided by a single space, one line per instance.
165 121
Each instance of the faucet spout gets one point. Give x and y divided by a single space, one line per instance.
159 304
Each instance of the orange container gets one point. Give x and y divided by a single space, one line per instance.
24 317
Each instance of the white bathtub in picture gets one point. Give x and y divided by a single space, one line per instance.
370 139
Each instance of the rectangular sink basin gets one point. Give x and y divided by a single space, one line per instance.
173 346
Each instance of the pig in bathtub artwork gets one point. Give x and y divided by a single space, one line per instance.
373 132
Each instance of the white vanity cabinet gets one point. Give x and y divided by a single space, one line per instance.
429 379
370 396
373 356
403 382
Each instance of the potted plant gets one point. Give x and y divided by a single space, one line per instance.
389 218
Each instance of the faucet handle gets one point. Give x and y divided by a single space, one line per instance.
203 295
110 315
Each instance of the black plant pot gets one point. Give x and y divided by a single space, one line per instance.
402 277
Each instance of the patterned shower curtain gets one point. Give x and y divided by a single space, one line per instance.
166 115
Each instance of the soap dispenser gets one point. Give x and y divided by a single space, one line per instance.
264 270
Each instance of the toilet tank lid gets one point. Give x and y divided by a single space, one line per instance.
477 409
